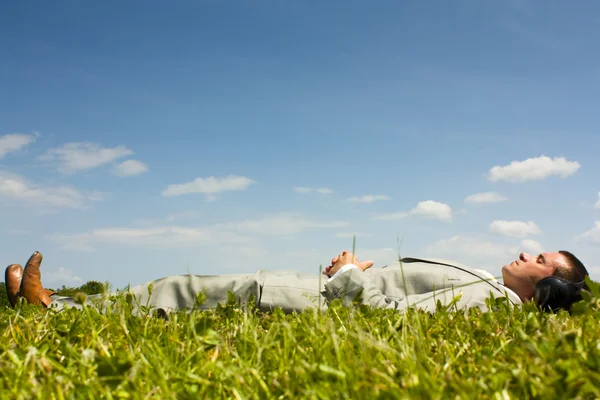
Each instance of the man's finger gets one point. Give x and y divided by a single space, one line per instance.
367 264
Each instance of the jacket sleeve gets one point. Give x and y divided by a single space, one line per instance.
354 282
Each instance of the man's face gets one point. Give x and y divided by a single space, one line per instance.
521 275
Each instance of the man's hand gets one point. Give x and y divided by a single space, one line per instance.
344 258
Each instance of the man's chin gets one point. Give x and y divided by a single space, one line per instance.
512 265
505 271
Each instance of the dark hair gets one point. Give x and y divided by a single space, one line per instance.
575 272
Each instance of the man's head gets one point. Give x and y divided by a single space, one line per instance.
521 275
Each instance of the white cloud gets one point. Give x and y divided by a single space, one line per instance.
169 219
304 189
17 188
460 246
392 216
98 196
14 142
163 237
531 246
209 186
597 205
283 224
485 197
345 235
168 236
428 209
533 169
61 276
518 229
473 251
130 168
591 236
380 256
433 209
368 198
77 243
73 157
172 236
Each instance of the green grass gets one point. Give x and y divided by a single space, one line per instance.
342 353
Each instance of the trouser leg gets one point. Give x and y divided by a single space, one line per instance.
292 291
180 292
60 301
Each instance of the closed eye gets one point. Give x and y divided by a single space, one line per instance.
541 259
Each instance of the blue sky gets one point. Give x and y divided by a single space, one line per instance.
142 139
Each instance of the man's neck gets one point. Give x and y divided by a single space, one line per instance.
525 297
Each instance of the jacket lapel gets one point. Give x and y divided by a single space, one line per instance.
453 264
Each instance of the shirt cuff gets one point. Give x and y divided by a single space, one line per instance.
345 268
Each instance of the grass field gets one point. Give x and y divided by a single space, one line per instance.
344 352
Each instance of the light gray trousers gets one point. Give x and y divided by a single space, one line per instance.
290 290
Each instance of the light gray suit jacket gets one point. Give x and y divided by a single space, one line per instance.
420 283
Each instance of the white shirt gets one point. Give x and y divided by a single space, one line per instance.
340 271
492 278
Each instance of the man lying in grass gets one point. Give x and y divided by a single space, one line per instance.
409 282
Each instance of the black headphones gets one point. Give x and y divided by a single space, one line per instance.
553 293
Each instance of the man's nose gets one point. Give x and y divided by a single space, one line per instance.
524 257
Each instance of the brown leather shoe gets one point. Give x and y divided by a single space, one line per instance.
31 285
12 278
